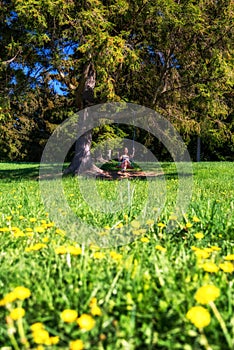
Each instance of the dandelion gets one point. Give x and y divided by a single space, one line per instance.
227 267
29 229
36 326
98 255
210 267
206 294
145 239
74 250
135 224
95 310
86 322
52 340
60 232
39 229
61 250
195 219
159 247
22 293
4 229
229 257
188 225
9 298
202 254
17 313
161 225
173 217
116 256
40 336
76 345
149 222
215 248
199 316
32 219
199 235
69 315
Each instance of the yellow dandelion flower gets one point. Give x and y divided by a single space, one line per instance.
74 250
120 225
98 255
61 250
45 239
208 250
215 248
145 239
210 267
50 224
135 224
116 256
29 229
161 225
195 219
32 219
40 336
227 267
173 217
159 247
199 316
60 232
76 345
199 235
202 254
8 217
206 294
188 225
95 310
39 229
4 229
52 341
36 326
229 257
9 298
18 234
17 313
21 217
22 292
86 322
69 315
40 347
150 222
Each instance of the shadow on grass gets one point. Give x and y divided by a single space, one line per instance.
10 172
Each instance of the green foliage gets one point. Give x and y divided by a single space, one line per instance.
174 57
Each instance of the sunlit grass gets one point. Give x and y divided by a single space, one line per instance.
137 295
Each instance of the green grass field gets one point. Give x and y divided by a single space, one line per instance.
164 290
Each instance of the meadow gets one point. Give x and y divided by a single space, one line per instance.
163 290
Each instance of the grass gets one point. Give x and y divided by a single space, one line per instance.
136 295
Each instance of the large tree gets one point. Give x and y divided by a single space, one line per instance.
175 57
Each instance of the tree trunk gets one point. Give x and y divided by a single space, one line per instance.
82 162
198 148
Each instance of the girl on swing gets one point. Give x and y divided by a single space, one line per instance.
125 162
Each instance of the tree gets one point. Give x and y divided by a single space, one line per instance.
175 57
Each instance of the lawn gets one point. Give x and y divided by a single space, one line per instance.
143 287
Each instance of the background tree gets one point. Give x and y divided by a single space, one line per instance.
174 57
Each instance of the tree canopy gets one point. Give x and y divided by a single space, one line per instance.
175 57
